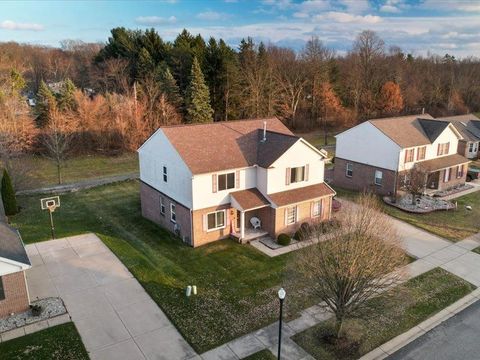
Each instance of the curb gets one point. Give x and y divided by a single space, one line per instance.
407 337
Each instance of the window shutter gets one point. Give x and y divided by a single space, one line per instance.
214 183
287 176
406 156
306 172
447 148
227 221
237 179
297 213
312 208
438 149
205 222
286 216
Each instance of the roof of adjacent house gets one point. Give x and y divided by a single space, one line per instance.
467 125
230 144
11 245
443 162
409 131
301 194
250 199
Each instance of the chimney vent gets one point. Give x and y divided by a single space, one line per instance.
264 131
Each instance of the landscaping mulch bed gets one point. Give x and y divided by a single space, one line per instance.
423 204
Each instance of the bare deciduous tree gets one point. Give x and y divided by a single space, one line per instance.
414 181
360 260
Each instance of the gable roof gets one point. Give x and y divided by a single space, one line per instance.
229 144
406 131
433 128
11 245
467 125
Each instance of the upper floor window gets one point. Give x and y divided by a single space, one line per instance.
443 148
470 147
349 170
216 220
409 155
421 152
226 181
297 174
165 176
378 177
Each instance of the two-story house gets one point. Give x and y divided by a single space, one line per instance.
469 127
377 154
206 181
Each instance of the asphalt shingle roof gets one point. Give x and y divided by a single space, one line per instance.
11 245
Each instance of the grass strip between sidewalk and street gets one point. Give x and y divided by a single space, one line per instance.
386 316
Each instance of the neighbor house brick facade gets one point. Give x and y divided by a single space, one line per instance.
205 182
377 155
13 262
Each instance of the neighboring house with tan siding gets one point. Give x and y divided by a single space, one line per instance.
469 127
13 263
206 181
377 154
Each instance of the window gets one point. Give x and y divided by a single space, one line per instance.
317 208
443 148
459 171
173 215
165 177
2 290
470 147
291 215
349 171
446 177
378 177
409 155
162 206
226 181
216 220
421 153
297 174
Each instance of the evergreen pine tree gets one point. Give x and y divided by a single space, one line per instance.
66 99
197 99
169 86
8 195
145 64
46 103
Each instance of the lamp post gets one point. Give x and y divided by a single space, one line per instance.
281 296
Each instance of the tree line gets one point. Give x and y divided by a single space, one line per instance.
110 97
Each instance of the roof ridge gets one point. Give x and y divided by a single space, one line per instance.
224 122
401 117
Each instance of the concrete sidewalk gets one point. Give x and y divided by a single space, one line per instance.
114 315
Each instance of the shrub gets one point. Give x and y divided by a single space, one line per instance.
284 239
8 195
36 310
301 233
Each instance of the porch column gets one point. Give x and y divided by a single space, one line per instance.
242 224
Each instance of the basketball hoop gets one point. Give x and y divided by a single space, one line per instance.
50 204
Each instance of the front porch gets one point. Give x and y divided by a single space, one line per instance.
250 235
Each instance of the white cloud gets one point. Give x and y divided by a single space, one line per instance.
155 20
343 17
12 25
300 15
310 6
458 5
355 6
212 16
280 4
389 8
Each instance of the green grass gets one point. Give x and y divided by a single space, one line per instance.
317 138
237 284
388 315
454 225
44 173
60 342
261 355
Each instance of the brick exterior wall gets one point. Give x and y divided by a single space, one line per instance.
201 236
150 200
363 177
453 179
304 209
16 294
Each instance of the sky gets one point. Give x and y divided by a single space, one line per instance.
417 26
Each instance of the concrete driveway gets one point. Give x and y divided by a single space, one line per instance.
456 338
114 315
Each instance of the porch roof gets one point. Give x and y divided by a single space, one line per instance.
250 199
301 194
443 162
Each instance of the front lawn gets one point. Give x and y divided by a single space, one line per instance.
60 342
237 284
42 171
454 225
317 138
388 315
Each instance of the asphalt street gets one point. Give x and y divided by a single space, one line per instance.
458 338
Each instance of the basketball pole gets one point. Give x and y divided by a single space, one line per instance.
51 224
